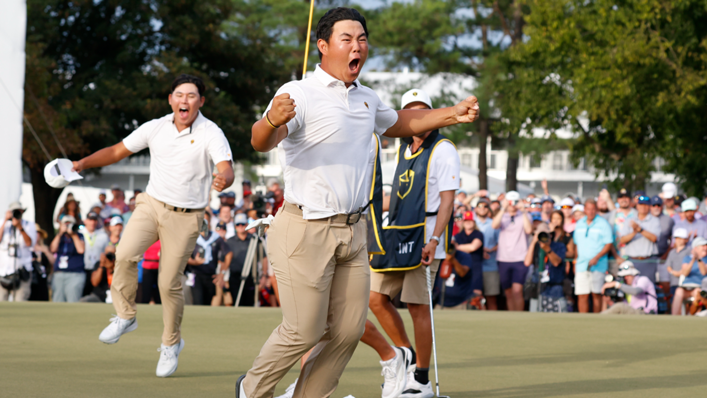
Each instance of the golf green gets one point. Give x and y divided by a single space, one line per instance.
52 350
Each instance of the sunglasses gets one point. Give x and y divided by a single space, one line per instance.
657 205
566 207
644 198
482 206
237 225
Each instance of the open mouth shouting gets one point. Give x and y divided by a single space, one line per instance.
183 112
355 65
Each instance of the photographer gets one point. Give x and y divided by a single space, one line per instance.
17 237
547 255
69 275
101 279
639 287
693 272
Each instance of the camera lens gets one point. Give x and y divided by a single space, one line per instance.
543 237
17 213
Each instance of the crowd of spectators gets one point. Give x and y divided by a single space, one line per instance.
77 265
621 254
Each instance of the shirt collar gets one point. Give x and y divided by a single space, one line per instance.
194 126
327 79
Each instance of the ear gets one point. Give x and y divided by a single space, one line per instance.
203 99
169 98
323 46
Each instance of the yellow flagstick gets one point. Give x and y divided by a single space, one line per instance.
309 37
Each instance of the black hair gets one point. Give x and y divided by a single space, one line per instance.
326 23
184 78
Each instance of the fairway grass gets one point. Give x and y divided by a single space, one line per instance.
52 350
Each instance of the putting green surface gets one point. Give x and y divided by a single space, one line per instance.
52 350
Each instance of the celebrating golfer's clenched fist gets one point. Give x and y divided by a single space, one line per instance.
467 111
282 110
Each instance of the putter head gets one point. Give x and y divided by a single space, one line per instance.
260 224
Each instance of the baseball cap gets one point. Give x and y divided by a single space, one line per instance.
92 215
227 195
484 200
547 198
15 206
97 204
221 226
415 95
680 233
460 191
512 195
567 202
116 220
688 205
669 190
644 200
114 187
69 219
536 201
245 182
240 219
246 192
699 241
623 192
639 193
53 175
536 216
578 208
101 192
627 268
468 216
656 200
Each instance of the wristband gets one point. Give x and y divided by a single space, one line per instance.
267 119
435 238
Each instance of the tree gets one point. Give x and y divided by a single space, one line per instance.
98 69
629 78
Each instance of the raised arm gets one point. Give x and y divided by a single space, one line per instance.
413 122
104 157
224 177
271 130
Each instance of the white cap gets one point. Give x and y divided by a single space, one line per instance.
578 208
53 176
69 219
15 206
627 268
688 204
415 95
116 220
680 233
240 218
699 241
669 190
512 195
567 202
97 204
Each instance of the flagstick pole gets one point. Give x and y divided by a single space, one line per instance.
309 37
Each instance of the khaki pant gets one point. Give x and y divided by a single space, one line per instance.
177 232
412 283
323 278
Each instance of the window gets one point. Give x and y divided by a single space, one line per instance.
492 161
535 161
557 163
466 159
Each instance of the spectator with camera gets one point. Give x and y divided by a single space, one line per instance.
96 241
639 287
593 239
691 274
214 254
100 281
514 224
17 237
69 270
640 235
547 255
276 193
239 246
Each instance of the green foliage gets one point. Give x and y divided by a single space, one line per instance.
628 77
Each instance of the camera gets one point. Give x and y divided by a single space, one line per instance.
17 214
703 294
110 256
270 195
612 292
544 237
74 228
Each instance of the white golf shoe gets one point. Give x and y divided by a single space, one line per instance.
290 390
169 359
413 389
117 327
394 373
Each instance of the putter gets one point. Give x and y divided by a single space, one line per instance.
432 319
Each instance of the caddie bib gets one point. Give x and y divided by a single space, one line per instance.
374 217
404 236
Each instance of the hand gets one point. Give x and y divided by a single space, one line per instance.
504 204
218 280
467 111
543 184
199 259
8 215
428 252
635 226
282 110
482 193
62 228
593 261
78 166
546 247
219 183
486 255
16 223
604 194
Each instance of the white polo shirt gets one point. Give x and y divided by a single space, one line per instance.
180 162
325 157
9 263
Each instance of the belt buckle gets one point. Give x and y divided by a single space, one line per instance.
348 218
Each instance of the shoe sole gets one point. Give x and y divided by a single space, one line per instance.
181 347
128 330
401 370
238 386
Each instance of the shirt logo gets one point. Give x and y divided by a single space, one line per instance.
366 103
192 141
414 93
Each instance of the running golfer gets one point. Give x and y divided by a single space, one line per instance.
317 242
183 145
